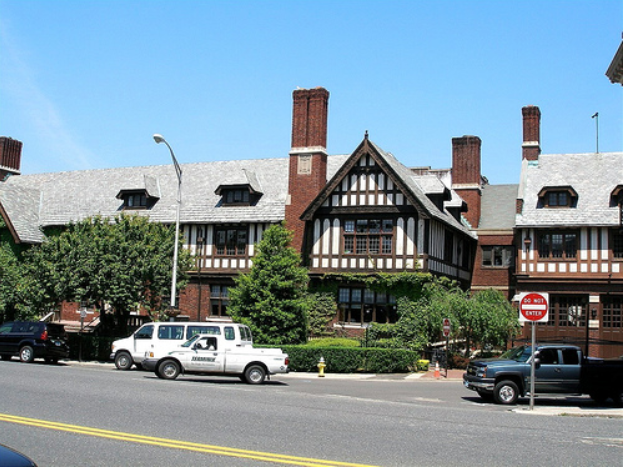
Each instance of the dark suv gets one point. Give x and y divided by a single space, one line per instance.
33 339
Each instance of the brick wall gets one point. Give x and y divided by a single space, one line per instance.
493 277
10 156
466 174
531 132
308 158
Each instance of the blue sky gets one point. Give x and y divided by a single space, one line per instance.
85 84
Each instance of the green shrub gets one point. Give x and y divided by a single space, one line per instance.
423 365
458 361
351 359
333 342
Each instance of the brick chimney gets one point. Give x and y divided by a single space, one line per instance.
466 175
531 132
308 157
10 157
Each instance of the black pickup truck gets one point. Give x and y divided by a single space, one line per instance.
560 369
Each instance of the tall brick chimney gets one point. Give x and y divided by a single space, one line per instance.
531 132
466 174
308 157
10 157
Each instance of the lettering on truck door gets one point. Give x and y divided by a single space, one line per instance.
207 356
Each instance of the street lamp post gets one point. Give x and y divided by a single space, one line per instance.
159 139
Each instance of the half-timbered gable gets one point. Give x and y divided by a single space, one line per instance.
375 215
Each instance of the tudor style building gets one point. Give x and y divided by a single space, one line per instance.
558 231
363 213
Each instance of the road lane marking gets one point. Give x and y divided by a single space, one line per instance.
177 444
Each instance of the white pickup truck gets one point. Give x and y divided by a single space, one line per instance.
210 355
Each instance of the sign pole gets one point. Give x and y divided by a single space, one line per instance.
533 307
533 372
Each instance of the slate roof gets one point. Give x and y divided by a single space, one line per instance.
593 176
35 201
498 207
32 202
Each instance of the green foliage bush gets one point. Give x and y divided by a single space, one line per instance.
351 359
423 365
458 361
333 342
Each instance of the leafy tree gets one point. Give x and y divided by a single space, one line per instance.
122 263
13 279
271 298
485 318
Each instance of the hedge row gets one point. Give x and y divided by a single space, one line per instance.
351 360
302 358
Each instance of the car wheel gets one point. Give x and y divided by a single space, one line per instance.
255 374
506 392
27 354
169 369
123 361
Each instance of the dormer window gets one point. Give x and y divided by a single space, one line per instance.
134 199
558 197
140 196
239 189
236 196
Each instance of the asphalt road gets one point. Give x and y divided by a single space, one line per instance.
66 415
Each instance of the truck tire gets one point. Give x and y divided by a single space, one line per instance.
599 397
27 354
506 392
255 374
169 369
123 361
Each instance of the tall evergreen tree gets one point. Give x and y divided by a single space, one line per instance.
271 298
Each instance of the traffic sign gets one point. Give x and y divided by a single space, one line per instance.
446 327
534 306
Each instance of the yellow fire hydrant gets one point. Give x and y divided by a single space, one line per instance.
321 365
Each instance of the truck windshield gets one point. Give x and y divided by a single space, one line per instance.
518 354
190 342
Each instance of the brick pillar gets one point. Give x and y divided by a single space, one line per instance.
531 132
307 158
466 175
10 156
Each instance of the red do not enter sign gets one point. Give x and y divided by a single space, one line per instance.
534 306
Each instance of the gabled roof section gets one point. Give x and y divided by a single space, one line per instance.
594 176
19 207
401 176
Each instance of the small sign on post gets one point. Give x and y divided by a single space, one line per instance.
533 307
446 331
